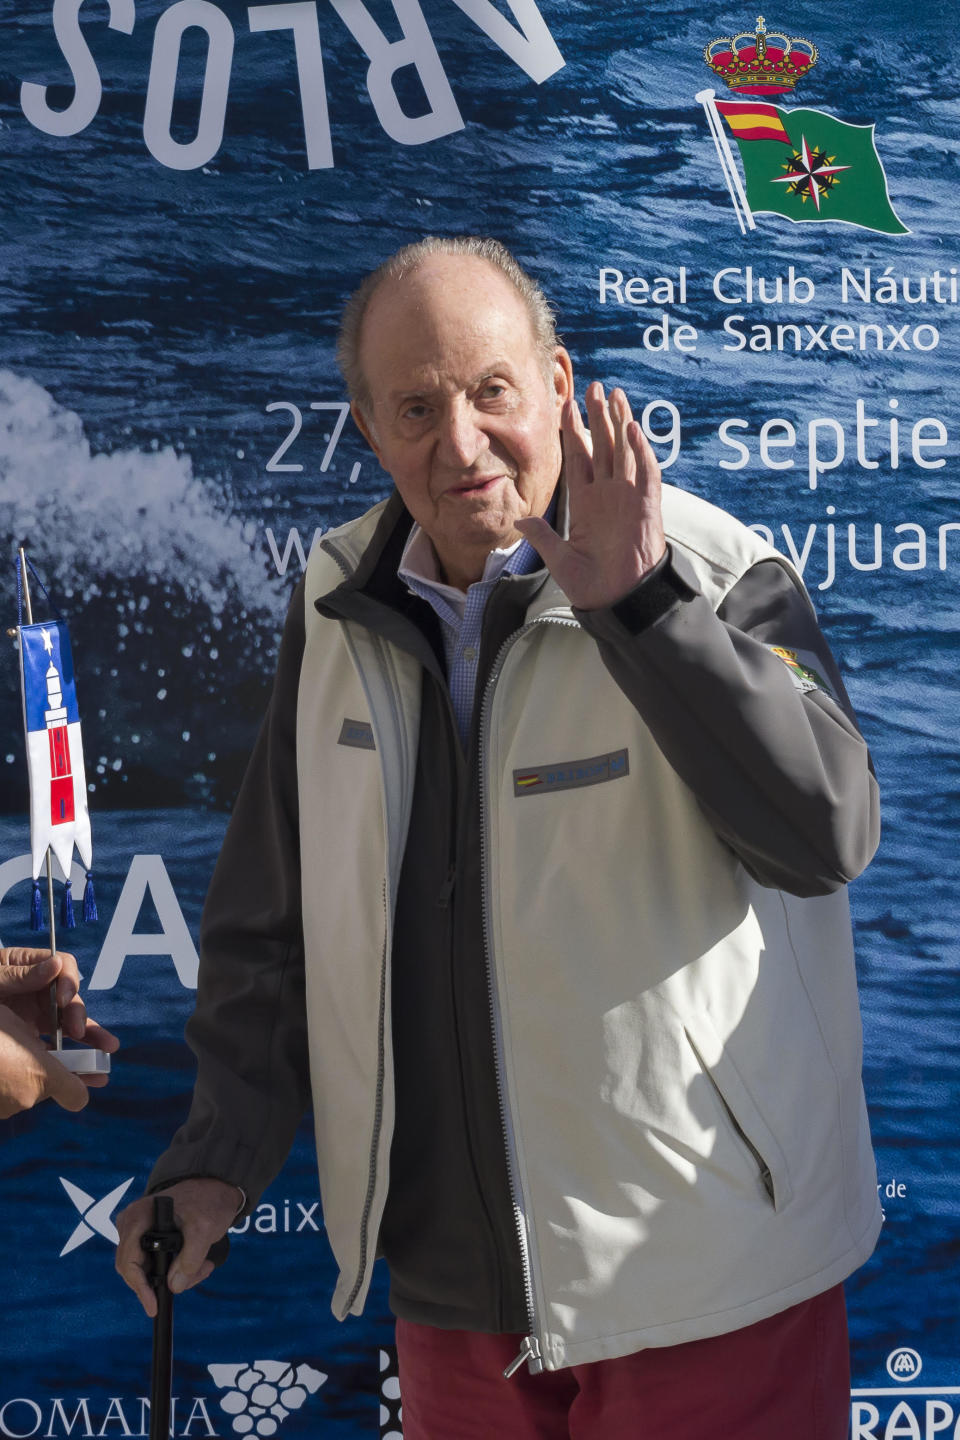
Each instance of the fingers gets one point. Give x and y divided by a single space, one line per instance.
132 1223
99 1037
182 1278
601 431
542 537
191 1266
647 465
67 1089
30 1073
204 1209
577 454
653 541
24 971
25 974
624 457
23 1078
608 452
68 981
73 1013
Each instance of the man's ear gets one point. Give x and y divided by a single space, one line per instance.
362 423
563 375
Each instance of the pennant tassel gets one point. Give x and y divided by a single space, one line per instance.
67 918
36 908
89 899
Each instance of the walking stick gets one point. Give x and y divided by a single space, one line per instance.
160 1245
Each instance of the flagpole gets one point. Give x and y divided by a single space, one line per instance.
728 165
56 1029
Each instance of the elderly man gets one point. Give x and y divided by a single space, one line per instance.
29 1072
535 884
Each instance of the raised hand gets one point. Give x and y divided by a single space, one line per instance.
613 480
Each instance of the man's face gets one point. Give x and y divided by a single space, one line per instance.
463 415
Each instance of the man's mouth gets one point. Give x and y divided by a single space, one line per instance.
479 485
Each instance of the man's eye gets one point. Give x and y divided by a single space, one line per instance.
415 412
493 390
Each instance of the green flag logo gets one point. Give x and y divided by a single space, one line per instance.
805 165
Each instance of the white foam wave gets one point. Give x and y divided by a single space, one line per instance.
127 515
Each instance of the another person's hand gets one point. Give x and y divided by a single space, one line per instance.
204 1209
613 485
29 1072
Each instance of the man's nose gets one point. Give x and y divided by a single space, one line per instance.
461 438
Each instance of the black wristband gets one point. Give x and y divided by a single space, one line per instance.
656 593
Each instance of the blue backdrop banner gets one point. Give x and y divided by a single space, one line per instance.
191 191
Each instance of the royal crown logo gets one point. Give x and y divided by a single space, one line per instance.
805 165
761 62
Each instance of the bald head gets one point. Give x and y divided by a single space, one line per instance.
411 258
435 317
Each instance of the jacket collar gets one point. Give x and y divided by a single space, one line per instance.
368 552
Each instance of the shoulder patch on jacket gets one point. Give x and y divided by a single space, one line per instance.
804 673
571 774
358 734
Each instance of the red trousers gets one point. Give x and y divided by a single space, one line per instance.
785 1378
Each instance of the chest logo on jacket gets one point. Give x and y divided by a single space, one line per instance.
358 734
571 774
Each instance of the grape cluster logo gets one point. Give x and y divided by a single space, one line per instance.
802 164
260 1396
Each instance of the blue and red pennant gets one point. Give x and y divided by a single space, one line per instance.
59 819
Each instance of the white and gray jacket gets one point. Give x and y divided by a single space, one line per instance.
676 1034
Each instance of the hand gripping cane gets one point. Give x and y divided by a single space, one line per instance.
160 1245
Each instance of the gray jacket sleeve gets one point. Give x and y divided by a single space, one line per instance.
248 1030
775 758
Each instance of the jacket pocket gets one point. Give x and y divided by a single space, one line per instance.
740 1110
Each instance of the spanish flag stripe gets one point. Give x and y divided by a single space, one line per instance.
753 121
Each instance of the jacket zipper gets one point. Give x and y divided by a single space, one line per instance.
530 1350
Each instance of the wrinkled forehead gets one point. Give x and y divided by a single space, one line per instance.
452 311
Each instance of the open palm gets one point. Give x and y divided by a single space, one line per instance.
613 481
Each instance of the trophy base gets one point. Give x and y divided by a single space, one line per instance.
84 1062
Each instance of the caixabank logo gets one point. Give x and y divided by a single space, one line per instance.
908 1409
284 1217
802 164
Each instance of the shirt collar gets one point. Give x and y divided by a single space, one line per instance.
419 561
419 567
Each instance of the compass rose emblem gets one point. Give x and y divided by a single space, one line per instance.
811 173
